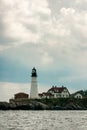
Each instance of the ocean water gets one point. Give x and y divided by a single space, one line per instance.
43 120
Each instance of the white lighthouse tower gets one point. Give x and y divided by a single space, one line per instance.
34 86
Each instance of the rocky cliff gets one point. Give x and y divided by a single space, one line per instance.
45 104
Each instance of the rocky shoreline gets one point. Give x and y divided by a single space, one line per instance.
45 104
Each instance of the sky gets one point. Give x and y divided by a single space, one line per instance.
50 35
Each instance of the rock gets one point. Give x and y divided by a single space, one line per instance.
32 104
4 106
28 105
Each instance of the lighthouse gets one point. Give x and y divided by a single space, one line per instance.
34 86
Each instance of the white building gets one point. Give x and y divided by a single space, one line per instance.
78 95
59 92
34 85
56 92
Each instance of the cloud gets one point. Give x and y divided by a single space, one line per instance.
48 34
22 20
76 22
46 59
80 1
25 22
67 11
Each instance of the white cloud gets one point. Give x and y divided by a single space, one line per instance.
23 19
46 59
80 1
67 11
31 22
75 20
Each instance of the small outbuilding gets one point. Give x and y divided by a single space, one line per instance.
21 96
79 94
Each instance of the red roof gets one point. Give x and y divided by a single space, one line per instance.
57 89
21 95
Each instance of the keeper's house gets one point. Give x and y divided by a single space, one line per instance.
55 92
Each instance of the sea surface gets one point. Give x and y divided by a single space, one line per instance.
43 120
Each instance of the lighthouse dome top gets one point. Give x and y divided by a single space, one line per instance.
34 72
